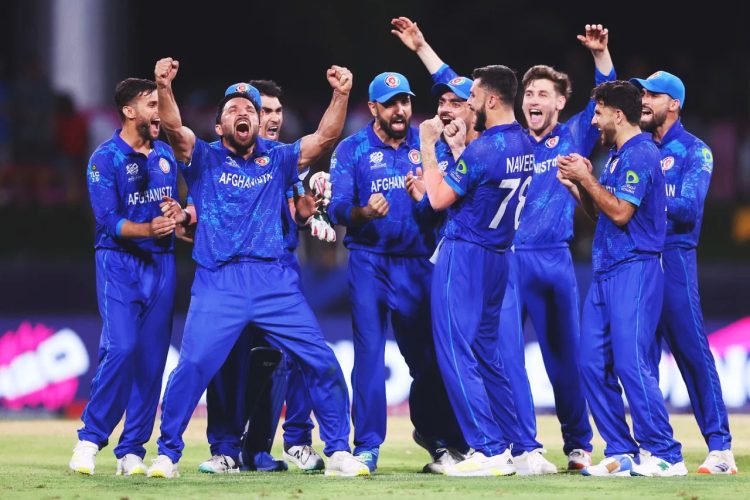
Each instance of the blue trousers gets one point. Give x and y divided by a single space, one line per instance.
542 286
681 326
618 334
381 286
264 294
467 294
136 302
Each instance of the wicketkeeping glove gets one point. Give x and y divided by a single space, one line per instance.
320 225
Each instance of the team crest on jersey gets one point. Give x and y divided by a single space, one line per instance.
132 169
552 141
262 161
392 81
459 80
612 165
667 163
415 156
376 160
164 165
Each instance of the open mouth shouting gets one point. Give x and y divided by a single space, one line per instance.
536 119
242 130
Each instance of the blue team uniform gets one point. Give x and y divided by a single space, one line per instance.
687 164
469 282
623 305
239 281
389 275
542 286
135 283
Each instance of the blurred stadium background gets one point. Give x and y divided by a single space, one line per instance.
60 61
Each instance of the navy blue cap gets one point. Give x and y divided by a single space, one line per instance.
461 86
388 84
243 90
662 82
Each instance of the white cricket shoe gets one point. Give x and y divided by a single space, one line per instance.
162 466
719 462
444 457
130 465
652 466
477 464
614 466
532 463
83 460
578 459
343 463
304 457
219 464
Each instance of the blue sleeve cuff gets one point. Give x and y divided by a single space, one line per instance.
600 77
454 186
118 227
632 199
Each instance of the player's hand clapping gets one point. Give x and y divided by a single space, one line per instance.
161 226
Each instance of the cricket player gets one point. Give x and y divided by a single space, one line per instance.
687 163
237 184
623 305
135 279
390 239
483 195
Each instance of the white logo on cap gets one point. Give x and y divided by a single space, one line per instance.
392 81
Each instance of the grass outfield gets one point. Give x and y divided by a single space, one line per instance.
34 457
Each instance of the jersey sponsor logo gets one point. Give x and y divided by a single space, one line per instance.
520 163
262 161
461 167
552 141
230 162
708 160
613 164
388 183
149 196
243 181
376 160
392 81
415 156
459 80
631 177
164 165
667 163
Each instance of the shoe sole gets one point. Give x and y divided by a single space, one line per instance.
162 475
706 470
625 473
137 472
480 473
86 471
335 473
209 470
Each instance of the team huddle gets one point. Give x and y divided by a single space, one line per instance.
457 231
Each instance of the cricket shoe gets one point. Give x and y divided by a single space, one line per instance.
344 464
83 460
445 457
430 446
162 466
652 466
264 462
614 466
130 465
219 464
719 462
532 463
578 459
304 457
369 458
477 464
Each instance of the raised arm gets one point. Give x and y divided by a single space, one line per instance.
313 146
596 39
411 36
181 138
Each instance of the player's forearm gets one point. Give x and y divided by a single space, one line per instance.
429 58
302 208
433 180
129 229
329 130
180 138
603 61
619 211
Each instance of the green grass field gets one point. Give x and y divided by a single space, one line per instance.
34 457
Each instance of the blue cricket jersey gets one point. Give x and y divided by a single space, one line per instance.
363 165
687 164
492 178
238 201
127 185
547 219
632 174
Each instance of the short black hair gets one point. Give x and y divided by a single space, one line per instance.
621 95
267 88
500 80
129 89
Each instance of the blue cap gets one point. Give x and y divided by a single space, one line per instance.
662 82
243 90
461 86
388 84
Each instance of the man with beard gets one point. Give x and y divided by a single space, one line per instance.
135 279
390 239
687 164
482 195
623 305
237 184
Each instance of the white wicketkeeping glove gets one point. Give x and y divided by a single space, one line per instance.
320 224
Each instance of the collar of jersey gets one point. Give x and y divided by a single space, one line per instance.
502 128
636 139
552 133
674 131
376 142
124 146
260 149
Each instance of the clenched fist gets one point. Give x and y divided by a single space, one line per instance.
165 71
